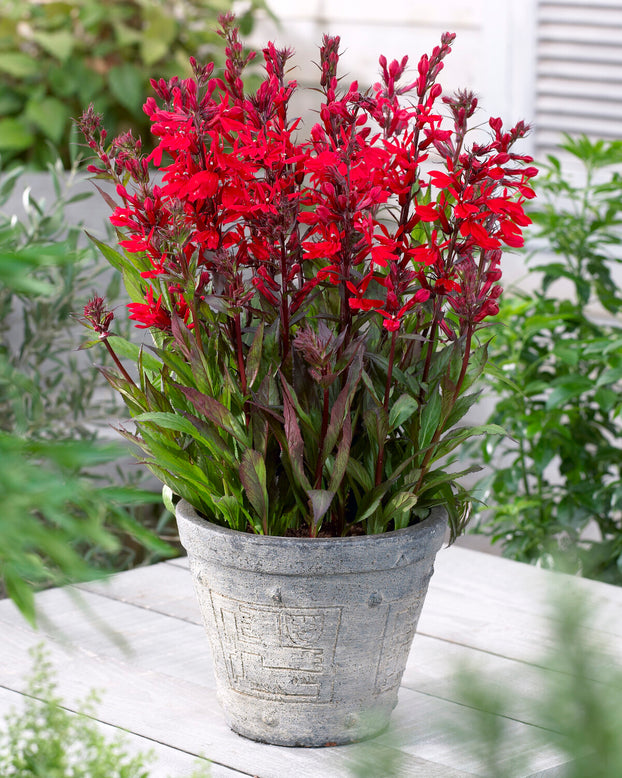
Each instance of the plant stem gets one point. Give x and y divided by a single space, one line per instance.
322 438
387 393
284 304
240 354
117 362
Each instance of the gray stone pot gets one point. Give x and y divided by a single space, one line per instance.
309 636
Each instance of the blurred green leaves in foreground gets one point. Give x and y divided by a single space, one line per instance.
570 692
63 517
577 700
57 57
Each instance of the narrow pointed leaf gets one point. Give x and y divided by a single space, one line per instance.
253 359
319 501
430 419
253 477
295 442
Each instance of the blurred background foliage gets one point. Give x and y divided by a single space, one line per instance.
58 56
554 490
68 511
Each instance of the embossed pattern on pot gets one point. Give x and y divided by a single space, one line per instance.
309 636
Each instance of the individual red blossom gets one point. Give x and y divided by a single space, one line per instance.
151 313
427 213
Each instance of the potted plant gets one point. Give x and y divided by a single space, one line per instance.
315 304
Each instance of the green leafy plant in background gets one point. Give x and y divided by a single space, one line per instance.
45 740
556 483
56 57
46 274
61 519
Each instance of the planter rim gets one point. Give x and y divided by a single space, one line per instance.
436 518
313 556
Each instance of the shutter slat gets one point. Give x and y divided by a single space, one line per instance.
578 70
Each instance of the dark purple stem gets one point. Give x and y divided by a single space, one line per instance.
387 392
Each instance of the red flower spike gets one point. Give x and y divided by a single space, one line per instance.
247 209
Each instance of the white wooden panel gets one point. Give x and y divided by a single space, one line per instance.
160 690
567 69
605 53
578 107
362 44
594 4
576 125
600 34
579 70
580 13
572 87
186 717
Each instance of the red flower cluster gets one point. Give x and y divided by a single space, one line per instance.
384 200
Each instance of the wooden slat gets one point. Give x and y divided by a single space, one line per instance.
181 649
185 716
561 6
167 762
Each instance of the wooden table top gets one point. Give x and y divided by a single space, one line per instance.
137 638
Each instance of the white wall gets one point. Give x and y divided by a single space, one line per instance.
493 54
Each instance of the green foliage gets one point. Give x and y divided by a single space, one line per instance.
57 57
60 521
558 380
45 275
45 740
256 463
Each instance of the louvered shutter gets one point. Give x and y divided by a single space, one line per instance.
579 70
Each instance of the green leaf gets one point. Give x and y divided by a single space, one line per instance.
126 85
319 502
399 509
233 512
401 410
215 411
168 498
15 135
377 424
568 352
116 259
293 438
371 501
19 591
567 388
358 473
342 457
158 34
133 352
461 408
430 419
19 65
454 438
169 421
253 359
58 44
253 477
